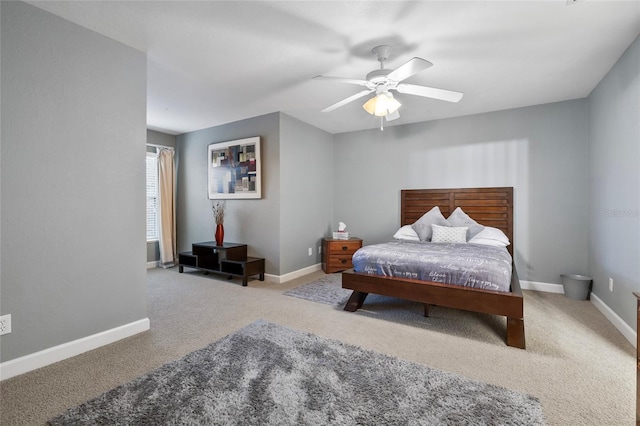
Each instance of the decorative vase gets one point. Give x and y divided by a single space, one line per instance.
219 234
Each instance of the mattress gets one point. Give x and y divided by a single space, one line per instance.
468 265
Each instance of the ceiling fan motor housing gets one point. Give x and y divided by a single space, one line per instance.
378 76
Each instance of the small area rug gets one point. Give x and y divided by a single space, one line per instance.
327 290
266 374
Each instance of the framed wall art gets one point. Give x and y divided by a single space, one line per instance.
234 169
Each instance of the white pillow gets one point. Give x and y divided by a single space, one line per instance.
494 243
449 234
460 218
406 233
490 233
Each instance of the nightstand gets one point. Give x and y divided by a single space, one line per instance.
336 254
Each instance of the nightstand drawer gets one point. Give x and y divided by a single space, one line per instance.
340 262
343 247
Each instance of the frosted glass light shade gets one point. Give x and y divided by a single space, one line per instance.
382 104
370 105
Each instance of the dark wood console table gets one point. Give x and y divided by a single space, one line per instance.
228 259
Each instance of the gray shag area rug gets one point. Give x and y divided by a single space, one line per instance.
266 374
327 290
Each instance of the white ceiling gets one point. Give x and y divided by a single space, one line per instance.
214 62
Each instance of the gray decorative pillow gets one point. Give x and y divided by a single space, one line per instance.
422 226
460 218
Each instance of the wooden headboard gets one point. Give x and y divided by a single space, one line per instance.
487 206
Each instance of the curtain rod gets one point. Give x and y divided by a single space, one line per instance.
160 146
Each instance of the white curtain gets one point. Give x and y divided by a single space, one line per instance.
167 207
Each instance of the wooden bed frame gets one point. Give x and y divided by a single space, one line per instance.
488 206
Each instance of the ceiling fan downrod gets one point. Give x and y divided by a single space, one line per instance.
382 52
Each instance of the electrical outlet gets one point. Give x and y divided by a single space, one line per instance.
5 324
310 251
611 285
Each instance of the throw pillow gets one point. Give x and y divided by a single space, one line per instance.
449 234
487 242
406 233
490 233
460 218
422 226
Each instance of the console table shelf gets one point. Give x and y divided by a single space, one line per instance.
228 259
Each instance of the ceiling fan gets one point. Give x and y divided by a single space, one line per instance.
382 81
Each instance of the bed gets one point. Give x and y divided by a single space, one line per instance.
488 206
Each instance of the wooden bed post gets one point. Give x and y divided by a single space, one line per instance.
355 301
515 333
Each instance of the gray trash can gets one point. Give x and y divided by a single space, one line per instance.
576 286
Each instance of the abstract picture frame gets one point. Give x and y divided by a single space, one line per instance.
234 169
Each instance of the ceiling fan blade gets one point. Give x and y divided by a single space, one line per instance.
409 68
430 92
341 80
347 100
393 116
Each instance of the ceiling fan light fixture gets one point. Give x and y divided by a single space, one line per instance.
370 105
382 104
390 104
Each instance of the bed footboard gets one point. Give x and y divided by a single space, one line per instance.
508 304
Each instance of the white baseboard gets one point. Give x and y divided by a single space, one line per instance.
293 275
617 322
52 355
151 265
546 287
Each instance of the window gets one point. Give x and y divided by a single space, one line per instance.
152 197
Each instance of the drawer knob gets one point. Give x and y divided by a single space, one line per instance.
345 248
343 261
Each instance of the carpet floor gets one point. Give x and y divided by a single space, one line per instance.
327 290
266 374
580 368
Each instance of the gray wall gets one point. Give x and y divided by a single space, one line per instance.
253 222
541 151
297 191
72 181
614 182
162 139
306 192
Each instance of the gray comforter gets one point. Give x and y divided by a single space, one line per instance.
470 265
